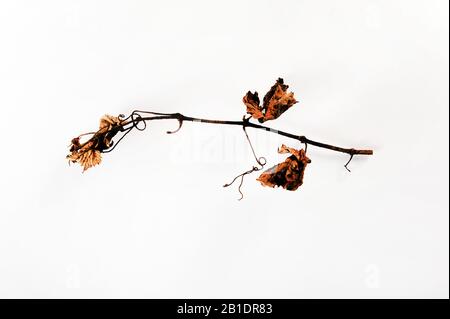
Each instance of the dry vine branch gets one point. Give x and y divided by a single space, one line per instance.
288 174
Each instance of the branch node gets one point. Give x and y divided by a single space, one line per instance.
245 121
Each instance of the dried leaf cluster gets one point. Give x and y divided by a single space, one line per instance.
88 154
275 102
287 174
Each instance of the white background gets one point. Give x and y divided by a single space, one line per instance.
153 219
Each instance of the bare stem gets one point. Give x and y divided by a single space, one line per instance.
135 118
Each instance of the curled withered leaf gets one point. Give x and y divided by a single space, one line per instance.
108 121
275 102
90 158
288 174
251 101
88 154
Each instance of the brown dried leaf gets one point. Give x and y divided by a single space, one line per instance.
108 121
251 101
89 159
288 174
86 156
89 153
277 100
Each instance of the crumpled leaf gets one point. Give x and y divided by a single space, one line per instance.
275 102
108 121
251 101
288 174
88 154
86 157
